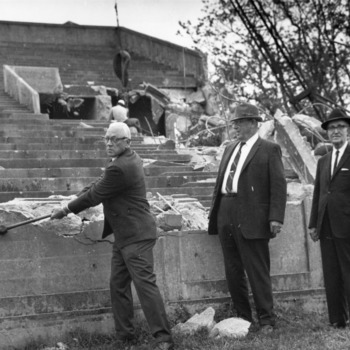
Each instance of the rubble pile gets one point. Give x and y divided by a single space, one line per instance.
233 327
21 209
182 214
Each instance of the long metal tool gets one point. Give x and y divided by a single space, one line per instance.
4 229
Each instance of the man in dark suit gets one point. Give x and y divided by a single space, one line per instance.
247 210
330 217
122 191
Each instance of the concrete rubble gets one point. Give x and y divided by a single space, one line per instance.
196 322
60 346
296 149
181 214
232 327
19 210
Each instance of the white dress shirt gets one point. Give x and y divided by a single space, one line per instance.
341 152
244 153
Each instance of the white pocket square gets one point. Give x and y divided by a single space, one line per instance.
344 169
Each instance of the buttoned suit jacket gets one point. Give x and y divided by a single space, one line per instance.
122 191
261 196
332 193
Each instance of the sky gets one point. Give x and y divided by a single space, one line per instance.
158 18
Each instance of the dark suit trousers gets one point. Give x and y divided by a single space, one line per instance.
135 263
245 255
335 254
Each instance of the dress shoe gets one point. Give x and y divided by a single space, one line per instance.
341 324
266 329
254 327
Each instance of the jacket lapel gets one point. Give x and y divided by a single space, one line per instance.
345 156
252 153
226 158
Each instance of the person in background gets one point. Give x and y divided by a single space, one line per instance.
119 112
247 210
330 217
121 190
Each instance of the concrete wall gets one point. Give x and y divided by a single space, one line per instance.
186 61
20 90
50 283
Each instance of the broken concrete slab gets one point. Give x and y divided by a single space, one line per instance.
19 210
310 127
101 107
231 327
298 192
297 151
266 129
196 322
168 221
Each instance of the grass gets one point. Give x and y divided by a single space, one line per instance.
295 330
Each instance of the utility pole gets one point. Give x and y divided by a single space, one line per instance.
116 12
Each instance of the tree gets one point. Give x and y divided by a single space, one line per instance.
287 54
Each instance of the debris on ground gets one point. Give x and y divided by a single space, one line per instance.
233 327
60 346
196 322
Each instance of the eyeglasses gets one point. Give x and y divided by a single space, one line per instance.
336 127
113 139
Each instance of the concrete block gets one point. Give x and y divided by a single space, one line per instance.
196 322
42 79
231 328
102 107
296 148
169 221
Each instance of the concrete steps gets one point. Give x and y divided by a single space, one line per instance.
155 171
201 193
73 154
76 183
61 146
40 158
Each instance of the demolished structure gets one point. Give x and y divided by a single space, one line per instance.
55 277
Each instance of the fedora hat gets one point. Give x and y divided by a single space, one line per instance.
336 114
245 111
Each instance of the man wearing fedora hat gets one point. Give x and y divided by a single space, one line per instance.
330 217
247 210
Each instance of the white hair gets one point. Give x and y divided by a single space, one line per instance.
119 130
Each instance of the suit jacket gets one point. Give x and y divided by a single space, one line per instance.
122 191
262 194
333 194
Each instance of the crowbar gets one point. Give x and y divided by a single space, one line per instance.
4 229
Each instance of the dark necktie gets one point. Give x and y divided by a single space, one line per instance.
229 182
336 161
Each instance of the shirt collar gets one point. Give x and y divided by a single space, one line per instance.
250 142
341 149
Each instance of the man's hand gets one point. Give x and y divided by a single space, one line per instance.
275 228
58 213
313 234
